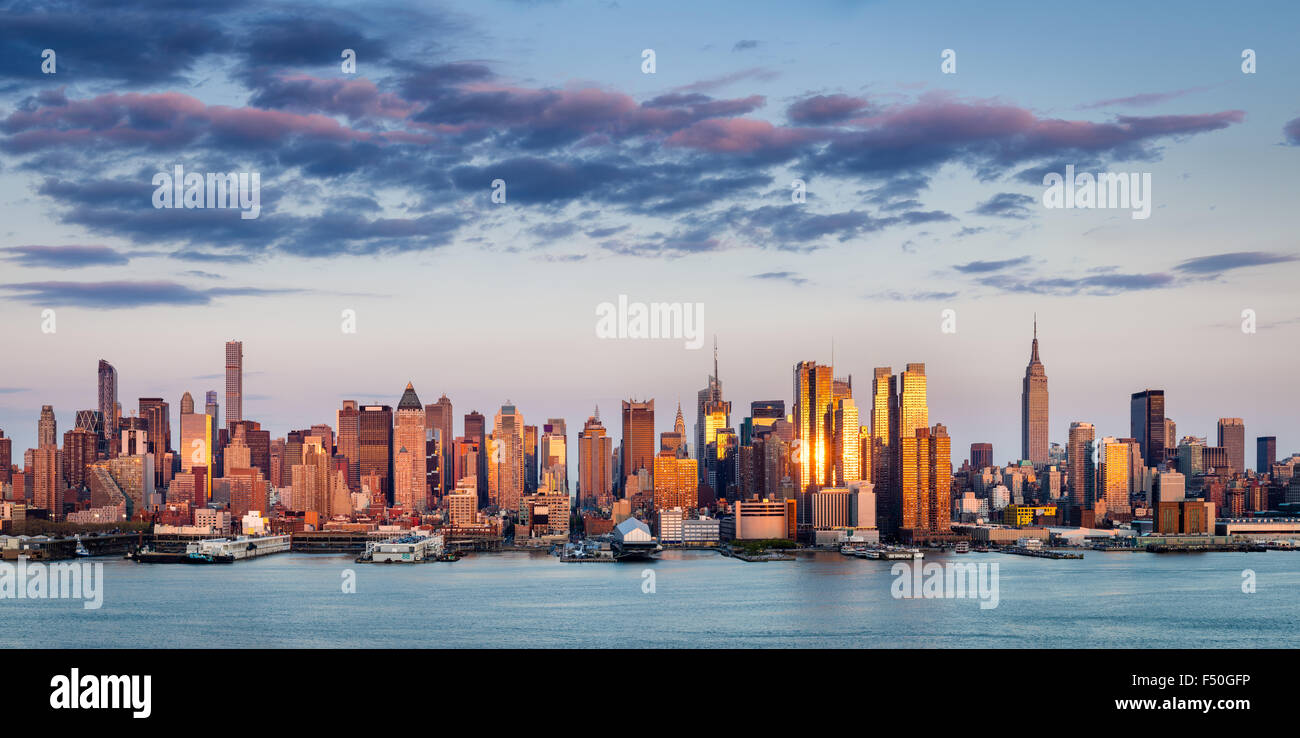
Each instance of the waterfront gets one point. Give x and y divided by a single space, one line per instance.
701 599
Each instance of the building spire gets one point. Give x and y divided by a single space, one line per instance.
1033 354
715 356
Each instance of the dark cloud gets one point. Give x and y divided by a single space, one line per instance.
1006 205
126 294
791 277
1292 131
984 267
65 257
745 45
1219 263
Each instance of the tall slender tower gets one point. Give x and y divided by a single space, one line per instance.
1147 424
1033 408
595 477
703 435
409 453
234 382
108 401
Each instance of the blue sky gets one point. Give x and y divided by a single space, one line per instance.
924 194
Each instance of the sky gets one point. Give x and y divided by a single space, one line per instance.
924 194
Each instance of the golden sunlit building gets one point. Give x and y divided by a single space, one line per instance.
675 482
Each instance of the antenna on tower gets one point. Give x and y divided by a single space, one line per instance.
715 356
1035 326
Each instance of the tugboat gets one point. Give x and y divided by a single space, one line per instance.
80 550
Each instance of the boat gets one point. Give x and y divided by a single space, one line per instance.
961 547
80 550
848 550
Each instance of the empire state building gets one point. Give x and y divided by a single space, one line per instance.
1033 408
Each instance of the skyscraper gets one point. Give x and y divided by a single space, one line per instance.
348 420
1232 436
924 481
1265 454
108 401
47 428
639 447
409 453
234 382
6 459
212 408
884 430
375 442
507 457
1147 425
530 459
1115 476
187 404
981 455
1033 408
553 454
847 442
710 394
595 452
438 417
813 405
1079 450
476 431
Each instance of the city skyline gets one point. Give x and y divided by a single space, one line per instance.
1243 441
924 194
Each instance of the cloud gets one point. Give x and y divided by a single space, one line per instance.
1098 284
824 109
1141 100
1292 132
920 296
65 257
1218 263
984 267
745 45
1006 205
125 294
791 277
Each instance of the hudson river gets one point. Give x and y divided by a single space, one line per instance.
700 599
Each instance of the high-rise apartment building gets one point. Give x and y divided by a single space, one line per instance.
1033 408
924 481
108 407
1083 473
234 382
